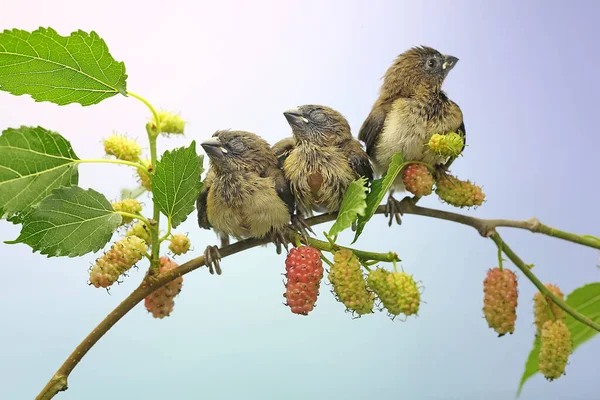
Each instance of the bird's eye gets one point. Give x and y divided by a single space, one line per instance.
236 146
431 63
317 116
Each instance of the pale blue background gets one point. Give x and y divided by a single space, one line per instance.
527 82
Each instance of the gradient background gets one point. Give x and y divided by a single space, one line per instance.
527 82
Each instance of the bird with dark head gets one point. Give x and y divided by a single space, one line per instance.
411 108
323 158
245 194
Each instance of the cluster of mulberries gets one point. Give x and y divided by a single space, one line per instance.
545 309
130 206
118 260
141 230
123 148
397 291
349 284
180 244
304 271
500 300
555 349
447 145
417 180
457 192
161 302
170 123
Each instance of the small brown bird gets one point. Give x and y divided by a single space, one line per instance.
411 107
245 194
323 158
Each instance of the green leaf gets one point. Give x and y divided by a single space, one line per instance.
379 188
176 182
60 69
585 300
132 193
353 204
70 222
33 162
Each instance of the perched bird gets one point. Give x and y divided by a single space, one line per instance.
411 107
245 194
323 158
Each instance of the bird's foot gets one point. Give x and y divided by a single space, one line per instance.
212 259
393 210
440 170
279 239
299 225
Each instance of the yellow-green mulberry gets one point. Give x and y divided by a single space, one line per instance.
555 349
349 284
545 310
397 291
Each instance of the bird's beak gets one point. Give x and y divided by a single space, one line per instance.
449 63
213 147
294 117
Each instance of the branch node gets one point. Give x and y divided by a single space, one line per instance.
534 224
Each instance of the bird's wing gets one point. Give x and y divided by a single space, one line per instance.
359 160
282 187
282 149
372 127
201 204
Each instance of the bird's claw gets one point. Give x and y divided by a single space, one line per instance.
300 226
393 210
280 239
212 259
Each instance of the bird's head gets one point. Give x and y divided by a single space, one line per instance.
317 124
230 150
418 70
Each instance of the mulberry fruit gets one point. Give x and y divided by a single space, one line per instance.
397 291
459 193
304 271
170 123
180 244
417 180
161 302
122 148
500 300
130 206
118 260
349 284
545 309
144 178
555 349
449 145
141 230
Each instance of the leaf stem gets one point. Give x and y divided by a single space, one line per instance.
150 106
363 255
541 287
135 216
166 236
109 161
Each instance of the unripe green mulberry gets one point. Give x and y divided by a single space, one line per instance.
555 349
500 300
180 244
144 177
349 284
544 310
161 302
397 291
458 193
448 145
169 123
130 206
122 148
118 260
141 230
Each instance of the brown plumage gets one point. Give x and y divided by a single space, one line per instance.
411 107
323 158
245 194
